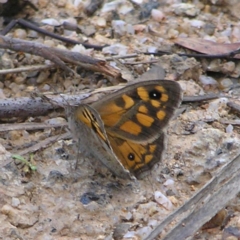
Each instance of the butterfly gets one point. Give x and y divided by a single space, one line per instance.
125 130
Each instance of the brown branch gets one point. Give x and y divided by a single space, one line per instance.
202 98
59 56
234 106
26 69
26 106
36 106
29 126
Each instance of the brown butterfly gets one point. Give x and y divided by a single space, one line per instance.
125 130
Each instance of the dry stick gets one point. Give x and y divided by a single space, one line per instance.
26 69
204 204
29 126
229 55
143 62
33 48
234 106
58 56
93 6
121 56
87 62
25 106
202 98
232 122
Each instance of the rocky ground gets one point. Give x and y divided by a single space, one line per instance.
57 201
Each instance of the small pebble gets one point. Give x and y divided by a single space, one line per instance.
162 200
61 3
19 79
49 43
20 33
185 9
117 49
42 3
101 22
125 8
157 15
51 22
46 87
119 26
229 128
172 33
226 83
110 6
206 80
58 120
42 76
14 135
209 28
15 202
196 23
228 67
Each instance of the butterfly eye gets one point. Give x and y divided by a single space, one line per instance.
131 156
155 94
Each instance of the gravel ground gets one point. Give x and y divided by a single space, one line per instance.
58 201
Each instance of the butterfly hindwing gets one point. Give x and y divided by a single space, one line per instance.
136 157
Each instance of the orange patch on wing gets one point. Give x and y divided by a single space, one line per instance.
156 103
161 115
144 119
143 109
80 117
148 158
143 93
131 127
152 148
129 102
160 89
89 120
111 114
139 165
164 98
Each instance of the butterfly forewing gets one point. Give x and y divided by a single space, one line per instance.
140 111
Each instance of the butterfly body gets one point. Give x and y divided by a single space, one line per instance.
125 130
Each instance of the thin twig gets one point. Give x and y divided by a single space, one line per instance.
60 56
27 68
202 98
29 126
234 106
121 56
